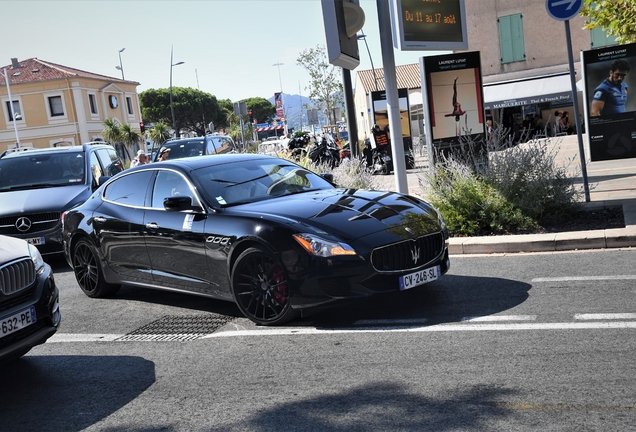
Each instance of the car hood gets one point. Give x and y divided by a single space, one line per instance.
43 200
12 248
349 213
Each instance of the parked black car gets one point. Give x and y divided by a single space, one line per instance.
37 185
258 230
198 146
29 305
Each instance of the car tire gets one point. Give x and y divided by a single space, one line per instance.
88 272
260 288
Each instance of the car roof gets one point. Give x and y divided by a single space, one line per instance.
207 160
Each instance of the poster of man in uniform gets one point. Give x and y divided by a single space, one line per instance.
454 97
610 98
381 114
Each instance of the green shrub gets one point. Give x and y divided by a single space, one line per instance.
516 187
471 206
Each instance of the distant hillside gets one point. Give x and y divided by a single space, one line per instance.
294 106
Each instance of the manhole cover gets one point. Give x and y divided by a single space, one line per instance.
177 328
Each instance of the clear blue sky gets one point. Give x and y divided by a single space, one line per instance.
229 45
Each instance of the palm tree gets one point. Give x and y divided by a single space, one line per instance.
130 137
159 134
112 133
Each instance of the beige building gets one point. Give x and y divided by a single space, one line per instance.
524 59
59 105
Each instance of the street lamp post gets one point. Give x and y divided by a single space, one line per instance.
364 38
13 114
280 81
121 67
174 125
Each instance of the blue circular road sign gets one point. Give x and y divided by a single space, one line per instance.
563 10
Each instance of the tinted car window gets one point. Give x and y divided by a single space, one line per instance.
247 181
129 189
41 170
111 162
221 144
185 148
96 169
169 184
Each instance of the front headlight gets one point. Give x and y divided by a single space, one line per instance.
324 248
38 262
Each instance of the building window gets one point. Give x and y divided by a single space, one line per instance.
55 103
511 38
600 38
129 104
16 109
91 102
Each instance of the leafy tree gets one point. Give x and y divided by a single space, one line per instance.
159 134
129 136
193 109
113 134
262 109
325 89
617 18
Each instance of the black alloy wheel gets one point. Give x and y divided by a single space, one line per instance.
261 288
88 273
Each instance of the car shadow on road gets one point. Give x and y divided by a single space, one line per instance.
69 393
447 300
388 406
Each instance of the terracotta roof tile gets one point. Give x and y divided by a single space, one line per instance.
407 76
34 70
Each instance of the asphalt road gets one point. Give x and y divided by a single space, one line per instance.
502 342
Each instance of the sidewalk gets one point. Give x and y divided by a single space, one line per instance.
611 183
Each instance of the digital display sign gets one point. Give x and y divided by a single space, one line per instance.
420 25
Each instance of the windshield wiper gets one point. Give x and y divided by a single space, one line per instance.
33 186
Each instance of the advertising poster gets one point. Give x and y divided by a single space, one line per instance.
278 101
610 102
454 97
380 113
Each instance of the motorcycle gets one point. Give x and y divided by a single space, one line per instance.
325 152
297 145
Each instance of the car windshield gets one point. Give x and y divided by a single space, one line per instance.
256 180
184 149
41 170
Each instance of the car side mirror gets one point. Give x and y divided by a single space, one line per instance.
179 203
327 176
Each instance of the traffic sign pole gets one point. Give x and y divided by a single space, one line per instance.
564 10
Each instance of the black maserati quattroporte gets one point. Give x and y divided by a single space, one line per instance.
260 231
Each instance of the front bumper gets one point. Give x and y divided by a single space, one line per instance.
44 296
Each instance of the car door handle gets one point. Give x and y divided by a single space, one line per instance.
99 219
152 225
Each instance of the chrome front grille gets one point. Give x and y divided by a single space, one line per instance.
408 254
37 222
16 276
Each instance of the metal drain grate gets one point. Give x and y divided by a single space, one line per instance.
177 328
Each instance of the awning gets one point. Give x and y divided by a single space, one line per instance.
269 128
528 91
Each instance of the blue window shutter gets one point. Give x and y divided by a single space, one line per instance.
511 38
516 27
601 39
505 39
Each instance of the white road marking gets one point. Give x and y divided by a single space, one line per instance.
584 278
395 322
605 316
400 326
434 329
70 337
495 318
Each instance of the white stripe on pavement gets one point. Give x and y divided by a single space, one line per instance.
70 337
433 329
605 316
584 278
496 318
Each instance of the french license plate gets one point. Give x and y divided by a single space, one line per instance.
35 240
419 277
17 321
